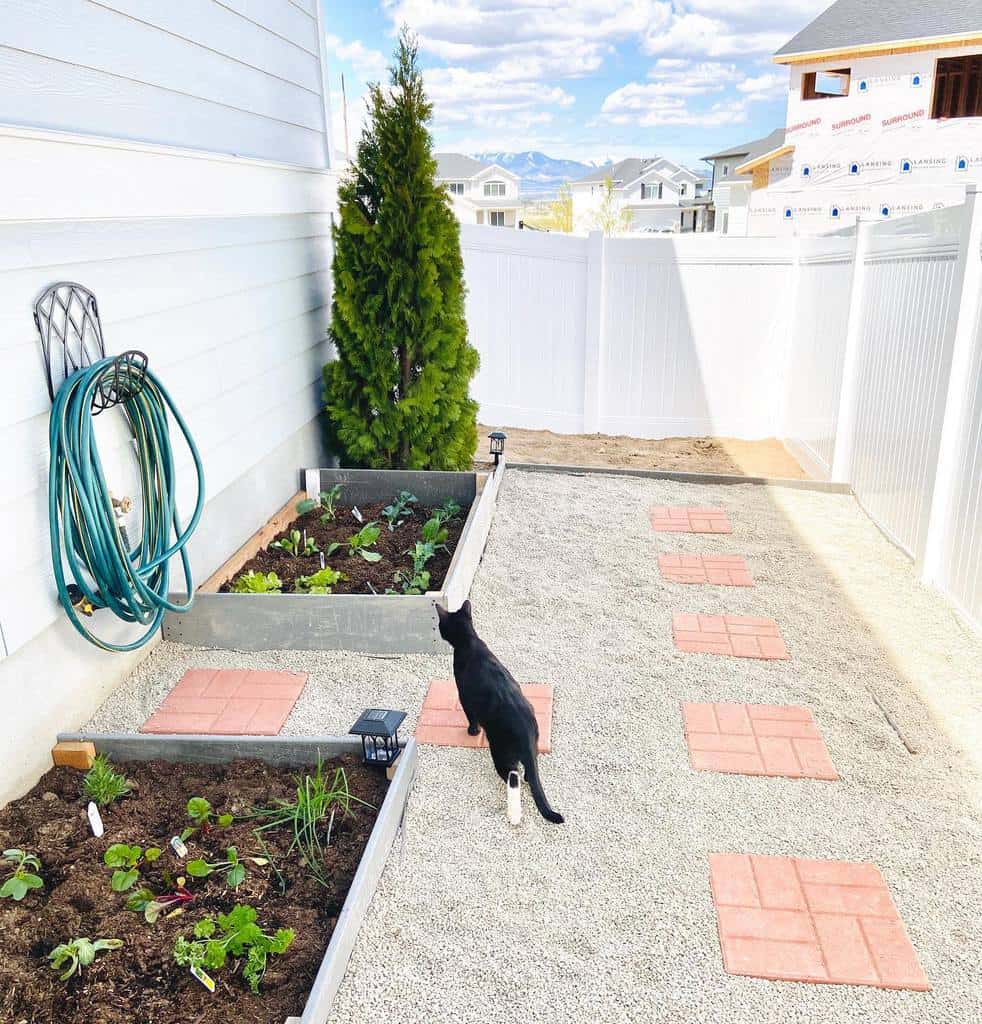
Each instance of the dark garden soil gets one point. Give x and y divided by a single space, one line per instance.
391 545
141 983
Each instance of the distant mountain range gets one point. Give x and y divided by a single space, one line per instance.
541 175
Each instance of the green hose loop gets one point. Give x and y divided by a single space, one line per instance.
86 542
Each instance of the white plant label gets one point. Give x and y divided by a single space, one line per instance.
95 820
177 845
205 979
357 514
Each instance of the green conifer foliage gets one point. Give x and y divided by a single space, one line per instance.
397 393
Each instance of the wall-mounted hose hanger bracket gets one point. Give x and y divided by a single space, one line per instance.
95 564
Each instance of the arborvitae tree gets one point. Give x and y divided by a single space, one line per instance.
397 393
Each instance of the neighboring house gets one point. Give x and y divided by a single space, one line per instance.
481 193
654 193
884 116
730 189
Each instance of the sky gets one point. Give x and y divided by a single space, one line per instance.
587 80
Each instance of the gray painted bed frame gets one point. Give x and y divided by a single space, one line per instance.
375 624
286 750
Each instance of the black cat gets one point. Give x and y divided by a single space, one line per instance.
492 700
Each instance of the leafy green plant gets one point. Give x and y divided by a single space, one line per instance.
318 583
450 509
233 867
19 867
311 814
79 953
327 500
434 532
202 814
295 543
360 542
258 583
411 582
400 509
145 901
103 784
127 860
233 934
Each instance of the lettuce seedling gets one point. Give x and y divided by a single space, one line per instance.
233 866
79 953
103 784
233 934
327 500
20 880
400 509
201 813
358 543
435 533
258 583
127 860
318 583
296 543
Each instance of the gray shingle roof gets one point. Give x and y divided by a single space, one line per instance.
633 167
456 166
861 22
748 150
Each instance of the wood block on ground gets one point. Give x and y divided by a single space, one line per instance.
74 754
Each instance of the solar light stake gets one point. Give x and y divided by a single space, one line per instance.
379 732
497 439
514 799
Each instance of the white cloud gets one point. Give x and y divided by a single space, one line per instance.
769 85
370 64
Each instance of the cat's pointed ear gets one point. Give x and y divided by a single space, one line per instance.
441 613
466 608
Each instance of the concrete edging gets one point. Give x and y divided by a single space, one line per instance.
826 486
370 623
292 750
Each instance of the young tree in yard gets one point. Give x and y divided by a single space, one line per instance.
561 210
397 393
608 217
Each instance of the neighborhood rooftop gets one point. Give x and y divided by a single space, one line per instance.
457 165
861 23
633 167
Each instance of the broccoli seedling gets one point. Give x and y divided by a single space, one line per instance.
411 582
400 509
327 500
79 953
447 511
19 867
127 860
233 867
258 583
233 934
318 583
358 543
103 784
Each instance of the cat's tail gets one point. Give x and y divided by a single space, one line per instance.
535 785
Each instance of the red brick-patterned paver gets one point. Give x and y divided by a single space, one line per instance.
442 721
825 921
228 702
718 570
741 636
689 519
756 739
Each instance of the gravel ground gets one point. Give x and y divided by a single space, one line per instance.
609 918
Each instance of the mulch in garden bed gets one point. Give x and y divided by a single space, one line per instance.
141 983
391 545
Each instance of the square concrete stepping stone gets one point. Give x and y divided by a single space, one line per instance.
756 739
228 702
822 921
740 636
442 721
718 570
689 519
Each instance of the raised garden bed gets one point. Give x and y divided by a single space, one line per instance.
351 616
142 980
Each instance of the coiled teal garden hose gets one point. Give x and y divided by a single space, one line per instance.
86 539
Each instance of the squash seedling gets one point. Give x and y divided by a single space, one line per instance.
79 953
400 509
127 860
358 543
318 583
21 879
296 543
103 784
258 583
233 867
327 500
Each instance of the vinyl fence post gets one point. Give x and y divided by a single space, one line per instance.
596 272
954 425
845 429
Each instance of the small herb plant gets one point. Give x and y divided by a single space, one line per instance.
365 538
327 500
318 583
295 543
19 867
258 583
202 814
103 784
400 509
127 860
152 906
79 953
233 934
233 867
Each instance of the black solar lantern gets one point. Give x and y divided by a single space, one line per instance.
497 439
379 732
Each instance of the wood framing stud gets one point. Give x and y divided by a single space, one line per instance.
73 754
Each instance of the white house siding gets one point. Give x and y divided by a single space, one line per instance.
881 128
121 121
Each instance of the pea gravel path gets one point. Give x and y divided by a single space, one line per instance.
609 918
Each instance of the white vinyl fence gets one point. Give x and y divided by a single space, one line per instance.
861 349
